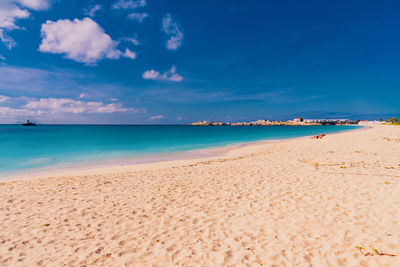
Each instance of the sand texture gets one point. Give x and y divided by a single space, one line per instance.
298 202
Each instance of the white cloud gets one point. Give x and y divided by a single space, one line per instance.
129 4
91 12
9 13
61 110
7 40
80 40
157 117
13 10
132 40
30 84
129 54
2 57
174 32
138 16
132 5
16 112
83 95
170 75
66 105
151 75
51 106
4 98
35 4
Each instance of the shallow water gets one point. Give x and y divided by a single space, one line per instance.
25 148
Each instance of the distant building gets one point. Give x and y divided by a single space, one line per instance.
297 120
369 123
328 121
261 122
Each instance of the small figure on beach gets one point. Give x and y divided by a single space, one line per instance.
318 136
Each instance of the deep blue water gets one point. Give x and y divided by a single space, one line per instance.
22 148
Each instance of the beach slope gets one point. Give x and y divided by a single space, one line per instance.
325 202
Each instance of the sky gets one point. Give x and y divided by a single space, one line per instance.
172 62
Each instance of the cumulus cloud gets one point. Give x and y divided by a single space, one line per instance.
91 12
4 98
170 75
129 54
151 75
140 17
129 4
80 40
173 31
13 10
157 117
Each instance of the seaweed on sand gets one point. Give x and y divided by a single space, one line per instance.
377 252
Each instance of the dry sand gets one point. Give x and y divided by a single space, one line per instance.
292 203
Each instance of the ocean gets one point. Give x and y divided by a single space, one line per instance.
68 146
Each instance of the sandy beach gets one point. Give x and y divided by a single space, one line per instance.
328 202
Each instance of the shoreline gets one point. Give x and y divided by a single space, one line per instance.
319 202
166 159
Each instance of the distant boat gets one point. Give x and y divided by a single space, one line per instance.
28 123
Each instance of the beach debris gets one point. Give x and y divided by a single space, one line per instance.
378 252
387 182
392 139
361 249
46 224
357 151
316 164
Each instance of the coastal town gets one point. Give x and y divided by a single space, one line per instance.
299 122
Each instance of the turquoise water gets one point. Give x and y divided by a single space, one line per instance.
24 148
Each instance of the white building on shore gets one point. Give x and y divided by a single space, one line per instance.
328 121
369 123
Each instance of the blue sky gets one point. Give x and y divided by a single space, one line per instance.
158 61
